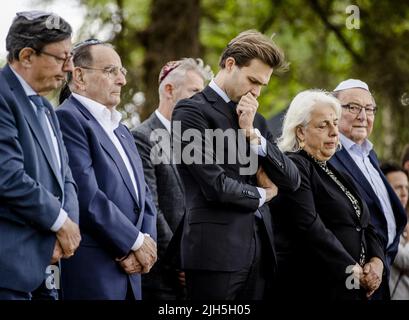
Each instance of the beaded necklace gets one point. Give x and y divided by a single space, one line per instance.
355 204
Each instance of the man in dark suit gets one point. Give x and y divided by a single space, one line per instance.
177 80
358 159
117 215
38 207
227 242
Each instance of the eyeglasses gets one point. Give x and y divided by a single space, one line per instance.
111 71
63 61
357 108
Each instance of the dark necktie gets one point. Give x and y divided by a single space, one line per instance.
41 116
232 106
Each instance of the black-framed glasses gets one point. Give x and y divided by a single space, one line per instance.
356 108
63 61
111 71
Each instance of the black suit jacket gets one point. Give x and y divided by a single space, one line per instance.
343 162
167 191
318 234
221 202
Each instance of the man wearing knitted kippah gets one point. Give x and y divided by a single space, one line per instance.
178 79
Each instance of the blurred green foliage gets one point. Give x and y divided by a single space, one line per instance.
320 47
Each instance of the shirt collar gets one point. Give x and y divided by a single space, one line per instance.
26 87
364 148
162 119
105 116
219 91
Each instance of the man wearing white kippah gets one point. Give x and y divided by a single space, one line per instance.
358 158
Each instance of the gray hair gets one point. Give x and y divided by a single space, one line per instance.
187 64
299 114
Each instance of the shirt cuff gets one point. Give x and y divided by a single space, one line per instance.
260 149
139 241
263 196
60 221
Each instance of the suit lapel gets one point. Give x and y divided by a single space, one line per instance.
397 208
155 123
349 184
227 111
31 118
221 106
128 144
109 148
52 120
349 164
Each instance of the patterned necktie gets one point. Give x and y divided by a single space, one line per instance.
41 116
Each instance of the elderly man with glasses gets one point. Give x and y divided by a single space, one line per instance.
38 206
357 158
117 215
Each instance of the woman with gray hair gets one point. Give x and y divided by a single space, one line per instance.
326 248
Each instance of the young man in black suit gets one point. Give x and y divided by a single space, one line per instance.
227 243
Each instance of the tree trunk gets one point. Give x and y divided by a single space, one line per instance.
172 34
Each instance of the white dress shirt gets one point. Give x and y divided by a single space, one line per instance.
109 121
164 121
62 216
258 149
360 155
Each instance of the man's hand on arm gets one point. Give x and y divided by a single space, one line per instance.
146 255
182 278
372 275
264 181
130 264
57 253
69 237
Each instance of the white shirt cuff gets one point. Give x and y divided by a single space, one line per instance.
260 149
60 220
263 196
139 241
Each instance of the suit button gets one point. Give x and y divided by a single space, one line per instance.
358 229
136 210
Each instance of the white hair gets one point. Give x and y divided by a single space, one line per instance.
176 76
299 114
